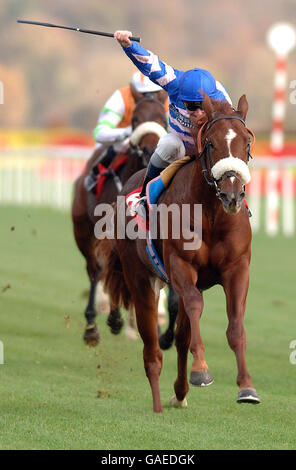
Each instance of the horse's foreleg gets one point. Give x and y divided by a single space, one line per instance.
184 279
236 284
193 304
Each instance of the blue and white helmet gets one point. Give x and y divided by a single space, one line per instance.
196 80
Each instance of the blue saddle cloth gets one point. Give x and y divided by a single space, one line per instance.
154 190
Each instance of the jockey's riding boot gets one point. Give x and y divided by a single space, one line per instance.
152 172
91 180
108 157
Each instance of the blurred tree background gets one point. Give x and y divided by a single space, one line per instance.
53 77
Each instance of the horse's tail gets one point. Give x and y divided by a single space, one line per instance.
114 282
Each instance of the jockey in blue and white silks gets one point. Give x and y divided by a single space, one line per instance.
180 86
185 102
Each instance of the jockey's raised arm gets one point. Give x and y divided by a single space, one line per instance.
185 91
158 71
150 64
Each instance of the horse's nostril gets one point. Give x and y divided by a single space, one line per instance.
224 197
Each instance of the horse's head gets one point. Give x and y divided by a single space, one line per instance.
149 123
160 95
224 145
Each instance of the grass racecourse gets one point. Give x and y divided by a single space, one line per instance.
55 393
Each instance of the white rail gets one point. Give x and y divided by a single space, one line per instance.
44 176
271 195
41 176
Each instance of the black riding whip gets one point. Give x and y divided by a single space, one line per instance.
80 30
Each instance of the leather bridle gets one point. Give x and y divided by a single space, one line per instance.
205 151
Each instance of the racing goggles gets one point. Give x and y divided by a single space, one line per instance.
192 105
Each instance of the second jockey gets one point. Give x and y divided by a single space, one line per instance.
114 124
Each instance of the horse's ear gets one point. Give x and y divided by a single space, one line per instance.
243 106
207 106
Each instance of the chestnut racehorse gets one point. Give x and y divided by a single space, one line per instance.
149 121
215 178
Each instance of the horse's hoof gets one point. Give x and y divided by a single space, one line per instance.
91 335
115 325
248 395
201 378
178 404
166 340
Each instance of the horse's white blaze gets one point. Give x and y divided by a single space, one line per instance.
229 138
232 178
231 163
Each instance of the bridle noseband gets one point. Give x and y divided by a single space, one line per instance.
205 152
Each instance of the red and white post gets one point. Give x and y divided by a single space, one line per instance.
281 38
